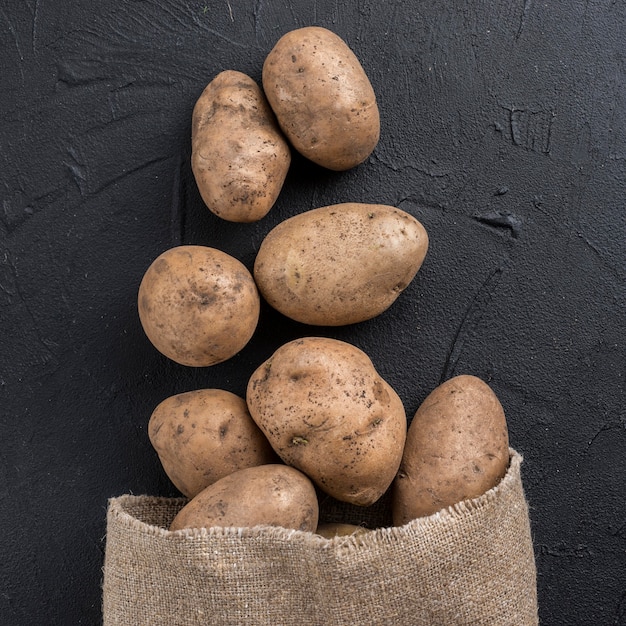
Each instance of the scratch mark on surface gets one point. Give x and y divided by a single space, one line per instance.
256 13
34 33
607 426
17 211
130 172
177 216
79 72
230 11
470 318
45 356
80 174
523 18
166 7
173 19
77 170
294 15
14 35
16 41
8 287
616 270
432 172
562 549
216 33
501 219
531 130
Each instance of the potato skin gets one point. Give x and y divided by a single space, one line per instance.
324 101
326 411
198 306
340 264
270 495
330 530
240 157
457 448
203 435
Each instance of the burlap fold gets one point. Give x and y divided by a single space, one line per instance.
470 564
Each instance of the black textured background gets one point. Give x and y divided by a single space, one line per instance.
503 131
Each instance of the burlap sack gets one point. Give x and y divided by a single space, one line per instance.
471 564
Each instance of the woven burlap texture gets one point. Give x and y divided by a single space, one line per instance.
470 564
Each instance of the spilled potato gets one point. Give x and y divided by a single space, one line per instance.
340 264
326 410
322 97
203 435
267 495
240 158
330 530
198 305
457 448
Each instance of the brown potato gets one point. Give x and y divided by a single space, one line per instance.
204 435
198 306
267 495
326 411
457 448
323 99
340 264
240 158
329 530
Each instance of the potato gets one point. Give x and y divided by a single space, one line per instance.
204 435
457 448
198 306
323 99
329 530
326 411
239 158
268 495
340 264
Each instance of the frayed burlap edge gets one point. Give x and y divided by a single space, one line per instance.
472 563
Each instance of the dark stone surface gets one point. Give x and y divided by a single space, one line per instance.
503 131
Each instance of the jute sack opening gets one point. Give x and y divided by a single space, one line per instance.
470 564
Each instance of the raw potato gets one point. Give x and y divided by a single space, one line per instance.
457 448
326 411
323 99
329 530
198 306
240 158
204 435
268 495
340 264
